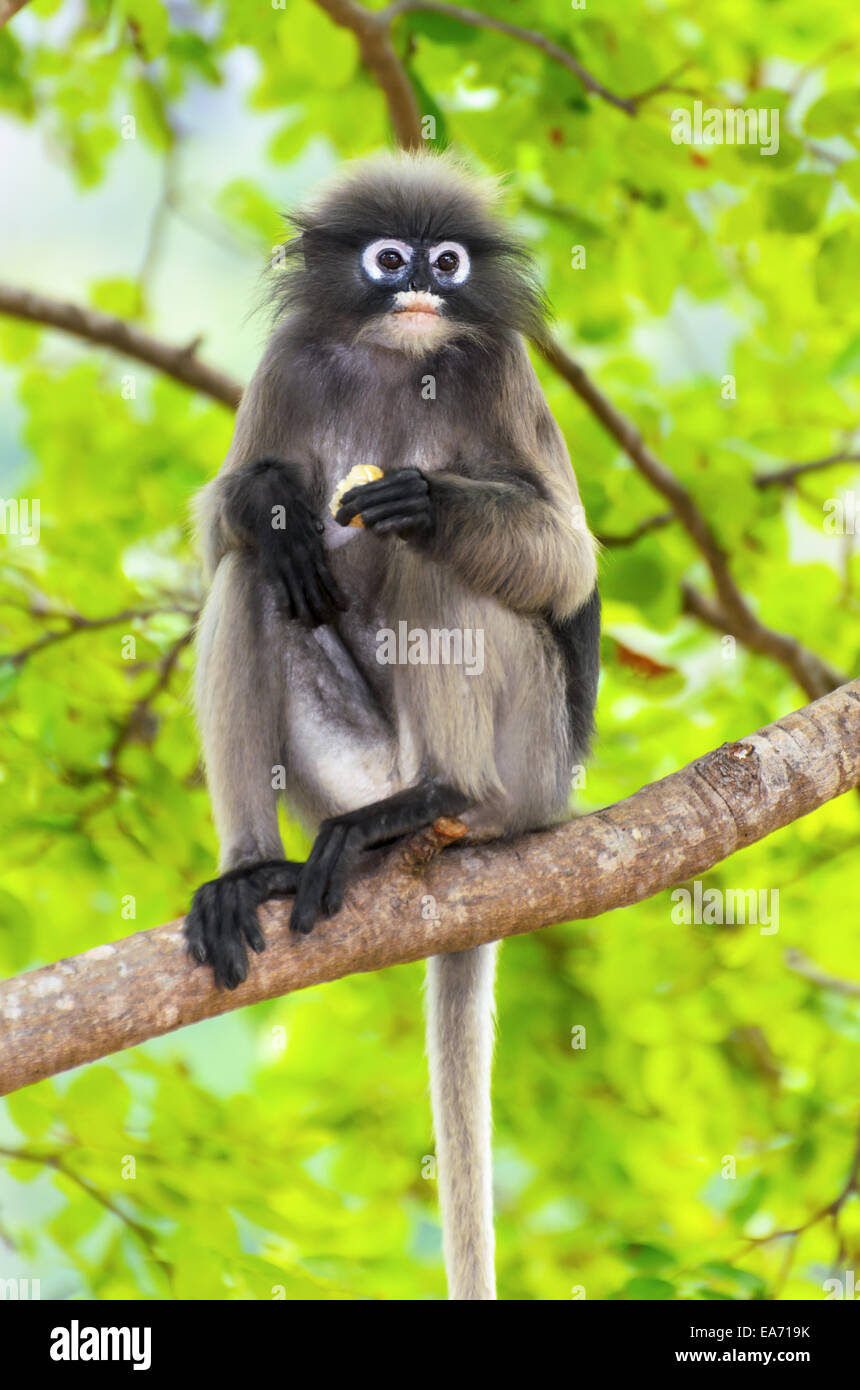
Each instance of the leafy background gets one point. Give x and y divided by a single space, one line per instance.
285 1147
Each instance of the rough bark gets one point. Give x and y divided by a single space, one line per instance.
118 995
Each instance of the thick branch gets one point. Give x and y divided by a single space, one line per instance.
178 362
118 995
371 29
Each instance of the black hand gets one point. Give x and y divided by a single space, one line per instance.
266 502
401 502
222 920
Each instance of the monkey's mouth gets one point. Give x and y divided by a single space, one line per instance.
416 305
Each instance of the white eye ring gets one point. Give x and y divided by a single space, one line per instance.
452 277
370 253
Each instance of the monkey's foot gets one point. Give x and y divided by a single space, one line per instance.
222 921
322 881
340 841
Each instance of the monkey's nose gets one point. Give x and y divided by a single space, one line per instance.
417 285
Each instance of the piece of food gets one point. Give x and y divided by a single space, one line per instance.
361 473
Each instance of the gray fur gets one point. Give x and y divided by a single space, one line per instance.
511 556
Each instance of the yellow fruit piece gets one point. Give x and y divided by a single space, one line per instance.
361 473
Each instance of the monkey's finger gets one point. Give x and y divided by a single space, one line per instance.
295 594
314 878
405 481
318 605
346 514
228 956
332 901
397 485
251 928
326 865
194 927
332 588
357 501
391 511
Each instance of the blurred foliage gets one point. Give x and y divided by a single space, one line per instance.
284 1148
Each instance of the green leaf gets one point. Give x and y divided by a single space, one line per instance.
648 1289
836 267
795 204
836 113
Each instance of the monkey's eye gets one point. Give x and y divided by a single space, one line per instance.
450 262
385 257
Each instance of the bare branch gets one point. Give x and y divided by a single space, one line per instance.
9 8
781 477
802 965
532 37
813 674
118 995
76 622
371 29
643 528
178 362
140 712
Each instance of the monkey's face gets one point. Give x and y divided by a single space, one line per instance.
413 286
406 253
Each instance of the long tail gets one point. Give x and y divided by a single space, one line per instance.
460 1030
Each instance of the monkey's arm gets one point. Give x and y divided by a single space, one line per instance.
509 539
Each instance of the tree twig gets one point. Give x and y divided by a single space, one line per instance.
77 622
781 477
814 675
802 965
618 540
372 31
181 363
402 908
532 37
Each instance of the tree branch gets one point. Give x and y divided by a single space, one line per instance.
8 8
791 471
532 37
372 31
76 622
178 362
617 540
813 675
802 965
118 995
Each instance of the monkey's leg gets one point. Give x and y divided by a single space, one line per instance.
239 702
341 839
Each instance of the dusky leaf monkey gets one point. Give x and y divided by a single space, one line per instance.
398 343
